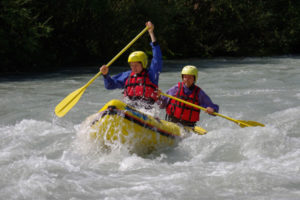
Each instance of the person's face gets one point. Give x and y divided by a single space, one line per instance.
188 80
136 67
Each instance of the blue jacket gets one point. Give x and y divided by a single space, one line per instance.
118 81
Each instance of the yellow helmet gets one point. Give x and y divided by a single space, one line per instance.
138 56
190 70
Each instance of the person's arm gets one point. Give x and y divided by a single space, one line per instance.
151 31
156 62
206 102
117 81
165 100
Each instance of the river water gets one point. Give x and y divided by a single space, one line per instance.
43 157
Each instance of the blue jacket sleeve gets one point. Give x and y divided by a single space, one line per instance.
205 101
165 100
156 64
117 81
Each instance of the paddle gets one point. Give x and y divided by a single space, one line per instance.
241 123
68 102
197 129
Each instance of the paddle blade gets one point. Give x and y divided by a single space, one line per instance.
67 103
196 129
199 130
244 124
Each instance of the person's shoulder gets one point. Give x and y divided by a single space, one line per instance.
122 75
126 73
174 87
197 86
202 92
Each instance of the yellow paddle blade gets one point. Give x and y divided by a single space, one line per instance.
199 130
244 124
196 129
67 103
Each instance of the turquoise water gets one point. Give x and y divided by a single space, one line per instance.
43 157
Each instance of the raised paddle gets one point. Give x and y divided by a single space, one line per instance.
241 123
68 102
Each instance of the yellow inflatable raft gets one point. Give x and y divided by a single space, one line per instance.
119 123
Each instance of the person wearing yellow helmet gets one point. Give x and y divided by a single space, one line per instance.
187 90
140 57
141 82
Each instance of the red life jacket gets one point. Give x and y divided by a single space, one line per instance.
183 111
139 86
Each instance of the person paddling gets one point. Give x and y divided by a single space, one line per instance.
140 84
187 90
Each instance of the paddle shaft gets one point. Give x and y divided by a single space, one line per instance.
68 102
117 56
201 108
